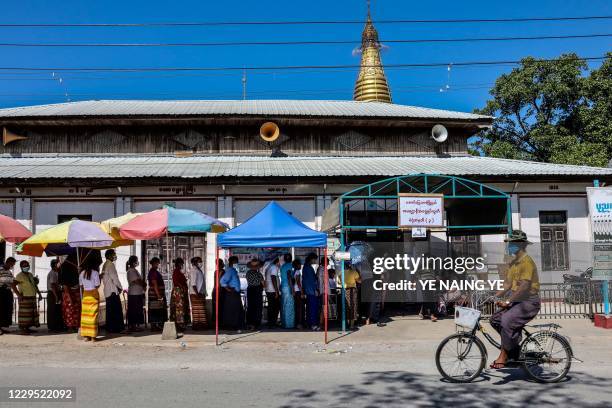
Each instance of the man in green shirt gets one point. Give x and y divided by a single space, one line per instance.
26 289
522 300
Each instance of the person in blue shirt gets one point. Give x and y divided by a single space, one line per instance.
287 309
233 312
310 286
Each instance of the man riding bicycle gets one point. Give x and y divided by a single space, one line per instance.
522 299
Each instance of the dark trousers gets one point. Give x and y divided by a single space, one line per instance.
509 323
254 306
233 312
55 320
313 310
114 314
273 308
372 300
6 306
299 308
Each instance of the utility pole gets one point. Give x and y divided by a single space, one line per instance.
244 84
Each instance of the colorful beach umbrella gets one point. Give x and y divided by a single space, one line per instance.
12 231
170 221
112 225
62 239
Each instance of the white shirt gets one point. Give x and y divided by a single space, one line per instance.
110 279
52 277
196 278
92 283
132 276
297 276
270 271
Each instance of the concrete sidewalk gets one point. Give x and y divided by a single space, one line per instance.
400 330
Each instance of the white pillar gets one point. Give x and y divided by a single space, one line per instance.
225 213
23 214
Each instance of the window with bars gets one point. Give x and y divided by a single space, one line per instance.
553 238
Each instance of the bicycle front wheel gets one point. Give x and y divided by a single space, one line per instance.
547 356
461 357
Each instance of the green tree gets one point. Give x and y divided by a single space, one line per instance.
550 111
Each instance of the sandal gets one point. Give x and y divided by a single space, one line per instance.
497 366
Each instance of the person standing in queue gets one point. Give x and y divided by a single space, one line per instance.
522 303
112 291
6 294
136 294
288 304
271 273
233 312
55 321
158 314
221 272
351 279
197 295
89 280
179 300
298 294
255 287
71 293
310 286
26 289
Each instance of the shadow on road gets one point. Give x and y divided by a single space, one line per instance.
507 388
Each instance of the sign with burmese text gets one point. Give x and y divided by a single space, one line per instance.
421 210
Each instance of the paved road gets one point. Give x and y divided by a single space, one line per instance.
372 369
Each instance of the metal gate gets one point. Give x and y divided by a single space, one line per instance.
566 300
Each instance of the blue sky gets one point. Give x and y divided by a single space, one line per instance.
468 86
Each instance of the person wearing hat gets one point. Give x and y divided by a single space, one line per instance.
521 298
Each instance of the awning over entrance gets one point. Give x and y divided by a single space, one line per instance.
469 207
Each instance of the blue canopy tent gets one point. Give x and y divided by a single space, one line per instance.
272 227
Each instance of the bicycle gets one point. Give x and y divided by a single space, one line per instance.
545 355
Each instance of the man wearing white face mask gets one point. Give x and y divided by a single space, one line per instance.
197 294
26 288
522 299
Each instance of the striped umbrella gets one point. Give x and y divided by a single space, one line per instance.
112 225
12 231
170 221
62 239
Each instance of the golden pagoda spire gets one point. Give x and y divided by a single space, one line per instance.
371 84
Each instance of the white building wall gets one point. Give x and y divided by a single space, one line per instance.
243 201
578 230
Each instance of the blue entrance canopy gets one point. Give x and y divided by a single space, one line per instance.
272 227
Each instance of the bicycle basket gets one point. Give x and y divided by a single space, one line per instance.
466 317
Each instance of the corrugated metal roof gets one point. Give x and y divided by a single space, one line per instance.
100 167
301 108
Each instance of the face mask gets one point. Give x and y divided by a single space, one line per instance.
26 269
513 249
136 265
199 264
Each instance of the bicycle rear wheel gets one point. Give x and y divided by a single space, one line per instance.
547 356
461 357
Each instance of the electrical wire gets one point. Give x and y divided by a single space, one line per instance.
298 22
313 42
279 68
